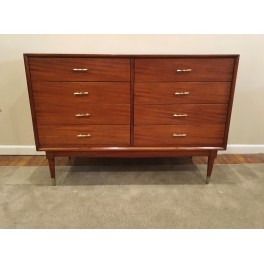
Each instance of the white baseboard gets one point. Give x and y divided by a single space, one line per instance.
19 150
243 149
31 150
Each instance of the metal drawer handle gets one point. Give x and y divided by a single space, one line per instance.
81 93
179 135
182 93
180 115
82 115
84 135
183 70
79 70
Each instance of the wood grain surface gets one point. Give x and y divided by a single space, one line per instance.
199 92
162 135
66 136
202 69
61 69
97 114
98 92
165 114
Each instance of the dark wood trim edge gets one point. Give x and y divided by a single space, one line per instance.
231 98
31 101
132 80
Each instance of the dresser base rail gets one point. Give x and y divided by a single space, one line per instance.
131 154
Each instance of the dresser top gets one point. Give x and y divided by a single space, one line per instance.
132 55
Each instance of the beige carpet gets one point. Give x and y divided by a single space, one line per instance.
131 196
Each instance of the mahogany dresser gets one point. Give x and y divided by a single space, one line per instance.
131 105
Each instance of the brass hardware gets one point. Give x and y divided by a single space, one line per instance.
180 115
82 115
81 93
83 135
53 181
80 70
182 93
184 70
208 179
179 135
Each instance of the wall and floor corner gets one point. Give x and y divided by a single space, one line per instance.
246 130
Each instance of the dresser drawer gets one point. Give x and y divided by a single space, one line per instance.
184 69
179 135
84 113
82 136
79 69
72 93
180 114
182 93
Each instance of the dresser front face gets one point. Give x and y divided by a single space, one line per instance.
81 102
182 101
130 101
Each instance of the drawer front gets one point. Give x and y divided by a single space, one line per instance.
183 69
82 114
83 136
79 69
72 93
182 93
179 135
180 114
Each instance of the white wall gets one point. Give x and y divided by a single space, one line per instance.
247 123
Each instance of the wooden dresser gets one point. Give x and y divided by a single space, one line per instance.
131 105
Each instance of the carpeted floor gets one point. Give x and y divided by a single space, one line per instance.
129 196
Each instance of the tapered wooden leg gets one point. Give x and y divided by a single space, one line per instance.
51 160
210 164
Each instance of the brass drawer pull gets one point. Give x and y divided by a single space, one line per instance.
84 135
81 93
182 93
82 115
79 70
179 135
184 70
180 115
